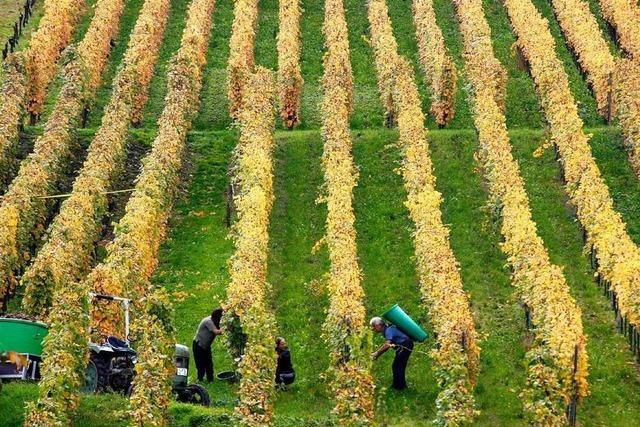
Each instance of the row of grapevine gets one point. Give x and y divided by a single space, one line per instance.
627 100
132 256
557 362
616 255
345 330
13 94
336 41
435 61
28 74
289 77
583 35
54 33
249 320
66 256
241 62
385 50
23 210
457 354
624 17
155 331
21 15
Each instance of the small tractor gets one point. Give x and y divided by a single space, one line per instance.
111 366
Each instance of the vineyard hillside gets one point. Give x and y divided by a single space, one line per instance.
306 197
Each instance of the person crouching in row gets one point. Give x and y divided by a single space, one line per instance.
285 375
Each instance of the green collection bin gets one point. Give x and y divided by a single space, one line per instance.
398 317
22 336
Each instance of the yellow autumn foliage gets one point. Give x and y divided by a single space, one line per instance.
289 77
436 63
624 17
345 330
54 32
385 50
241 62
584 37
153 324
618 258
66 257
541 286
248 291
12 94
457 356
627 99
22 212
132 255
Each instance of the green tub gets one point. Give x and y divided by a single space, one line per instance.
22 336
398 317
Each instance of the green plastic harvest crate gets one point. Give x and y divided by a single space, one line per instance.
22 336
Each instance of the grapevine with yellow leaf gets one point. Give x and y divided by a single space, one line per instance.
345 330
436 62
54 33
12 93
289 77
556 318
132 255
583 35
627 99
624 17
246 308
22 210
241 62
385 50
66 257
457 356
618 258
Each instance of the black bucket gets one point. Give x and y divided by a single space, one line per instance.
228 376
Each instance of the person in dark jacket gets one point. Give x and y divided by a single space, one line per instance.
285 374
403 346
207 331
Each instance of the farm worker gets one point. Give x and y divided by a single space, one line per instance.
285 374
403 345
207 331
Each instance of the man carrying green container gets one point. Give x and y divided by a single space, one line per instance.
396 337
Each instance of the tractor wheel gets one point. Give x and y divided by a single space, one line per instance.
195 394
96 375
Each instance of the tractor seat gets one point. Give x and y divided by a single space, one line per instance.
118 344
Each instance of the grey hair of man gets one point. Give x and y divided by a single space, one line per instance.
377 321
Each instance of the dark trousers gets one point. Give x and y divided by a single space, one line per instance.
400 365
204 361
285 378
